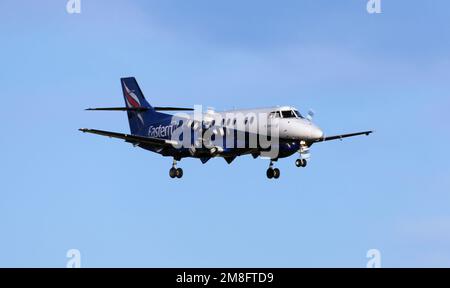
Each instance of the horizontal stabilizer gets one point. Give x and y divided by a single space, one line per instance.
137 109
140 109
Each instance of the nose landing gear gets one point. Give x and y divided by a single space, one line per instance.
301 162
273 172
175 172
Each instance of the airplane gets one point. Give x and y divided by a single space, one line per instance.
281 132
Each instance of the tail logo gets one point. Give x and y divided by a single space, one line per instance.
133 101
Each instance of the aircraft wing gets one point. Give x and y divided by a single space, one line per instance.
340 137
131 138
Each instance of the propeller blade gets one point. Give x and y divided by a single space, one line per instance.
310 115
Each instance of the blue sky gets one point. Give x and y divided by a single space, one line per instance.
61 189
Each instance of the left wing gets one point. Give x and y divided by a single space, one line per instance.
329 138
132 138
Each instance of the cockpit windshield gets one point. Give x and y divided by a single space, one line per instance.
288 114
298 114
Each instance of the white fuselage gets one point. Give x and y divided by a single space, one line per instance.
287 122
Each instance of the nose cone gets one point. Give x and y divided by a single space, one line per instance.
300 129
316 132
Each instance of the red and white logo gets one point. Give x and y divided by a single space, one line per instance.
132 101
131 98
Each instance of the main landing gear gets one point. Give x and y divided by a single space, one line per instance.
301 163
175 172
273 172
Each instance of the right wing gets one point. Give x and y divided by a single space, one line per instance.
134 139
329 138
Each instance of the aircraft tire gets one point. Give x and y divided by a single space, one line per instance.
301 163
179 173
276 173
173 172
304 163
270 173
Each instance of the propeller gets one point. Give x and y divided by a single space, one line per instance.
310 115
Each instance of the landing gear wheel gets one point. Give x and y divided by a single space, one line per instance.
270 173
179 173
301 163
276 173
173 172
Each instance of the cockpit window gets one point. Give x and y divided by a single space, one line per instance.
288 114
298 114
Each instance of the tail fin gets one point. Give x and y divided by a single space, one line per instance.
135 99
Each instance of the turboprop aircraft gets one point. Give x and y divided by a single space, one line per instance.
271 133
